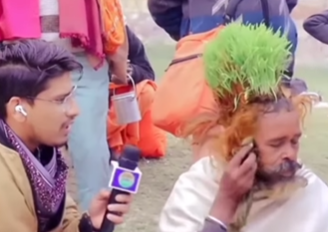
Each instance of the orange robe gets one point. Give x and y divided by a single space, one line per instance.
144 134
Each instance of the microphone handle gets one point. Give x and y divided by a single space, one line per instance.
106 225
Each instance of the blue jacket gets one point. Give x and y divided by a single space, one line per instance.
182 17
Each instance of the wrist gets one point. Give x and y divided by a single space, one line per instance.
224 209
86 224
211 225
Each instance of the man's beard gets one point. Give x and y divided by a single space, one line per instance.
276 184
279 182
283 172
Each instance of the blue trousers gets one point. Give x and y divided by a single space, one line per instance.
87 143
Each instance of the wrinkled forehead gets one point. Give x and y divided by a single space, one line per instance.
280 123
281 105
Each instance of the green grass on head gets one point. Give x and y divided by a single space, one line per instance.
248 56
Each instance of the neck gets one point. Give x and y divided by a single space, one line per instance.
30 143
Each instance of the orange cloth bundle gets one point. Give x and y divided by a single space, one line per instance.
144 134
113 24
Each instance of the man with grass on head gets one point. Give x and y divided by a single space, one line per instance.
250 178
182 17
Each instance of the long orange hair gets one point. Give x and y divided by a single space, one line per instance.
241 123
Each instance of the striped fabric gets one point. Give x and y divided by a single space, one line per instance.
51 8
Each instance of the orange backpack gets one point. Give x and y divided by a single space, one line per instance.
183 93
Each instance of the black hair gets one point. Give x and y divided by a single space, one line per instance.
27 66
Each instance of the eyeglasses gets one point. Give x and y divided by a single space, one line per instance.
66 103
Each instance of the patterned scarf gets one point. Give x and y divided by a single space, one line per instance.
48 182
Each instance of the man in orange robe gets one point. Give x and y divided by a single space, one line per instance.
150 139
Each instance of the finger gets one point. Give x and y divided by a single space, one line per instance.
104 194
124 198
248 178
240 155
247 181
115 218
248 164
119 208
240 174
250 173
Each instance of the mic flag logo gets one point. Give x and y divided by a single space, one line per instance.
125 179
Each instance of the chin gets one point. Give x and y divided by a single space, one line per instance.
279 186
62 144
271 179
285 189
58 144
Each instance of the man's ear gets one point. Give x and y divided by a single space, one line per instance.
12 109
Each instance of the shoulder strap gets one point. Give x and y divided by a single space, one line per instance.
231 9
265 10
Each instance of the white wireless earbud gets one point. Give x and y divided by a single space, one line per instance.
21 110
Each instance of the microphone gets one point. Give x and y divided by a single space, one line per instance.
125 179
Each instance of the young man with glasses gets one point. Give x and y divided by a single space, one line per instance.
77 26
37 111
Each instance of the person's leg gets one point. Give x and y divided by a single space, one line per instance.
88 144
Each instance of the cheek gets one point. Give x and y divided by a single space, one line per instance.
269 155
49 120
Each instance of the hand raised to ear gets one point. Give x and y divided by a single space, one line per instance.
238 178
236 181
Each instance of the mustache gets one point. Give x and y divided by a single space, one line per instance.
286 166
276 173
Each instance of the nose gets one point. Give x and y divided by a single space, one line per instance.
73 111
290 152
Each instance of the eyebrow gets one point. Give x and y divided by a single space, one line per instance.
65 94
284 138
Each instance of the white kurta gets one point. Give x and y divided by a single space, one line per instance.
193 195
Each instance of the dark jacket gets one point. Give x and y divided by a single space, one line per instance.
317 26
141 68
182 17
